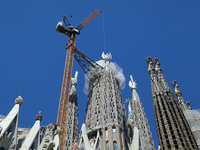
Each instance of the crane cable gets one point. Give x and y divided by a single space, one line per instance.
104 32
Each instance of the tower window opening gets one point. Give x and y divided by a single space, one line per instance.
115 145
107 145
114 131
106 131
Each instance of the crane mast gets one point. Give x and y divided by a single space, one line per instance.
65 91
66 84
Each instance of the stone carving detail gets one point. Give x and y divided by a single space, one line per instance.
48 137
150 64
19 100
157 64
7 141
106 56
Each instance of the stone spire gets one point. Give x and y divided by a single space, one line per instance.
170 120
105 113
140 121
71 134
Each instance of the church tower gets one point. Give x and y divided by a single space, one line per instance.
105 120
172 127
139 123
71 135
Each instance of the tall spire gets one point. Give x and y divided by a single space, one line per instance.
172 127
140 121
71 134
105 111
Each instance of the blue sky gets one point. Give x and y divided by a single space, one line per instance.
32 53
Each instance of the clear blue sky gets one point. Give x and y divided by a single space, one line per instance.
32 53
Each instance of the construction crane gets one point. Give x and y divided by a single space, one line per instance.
66 28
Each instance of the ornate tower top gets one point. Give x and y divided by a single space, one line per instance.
75 80
132 83
157 64
107 56
151 70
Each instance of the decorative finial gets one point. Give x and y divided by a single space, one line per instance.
175 85
107 56
150 64
132 83
177 92
19 100
157 64
75 79
189 106
128 100
39 116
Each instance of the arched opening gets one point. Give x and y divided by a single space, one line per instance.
106 131
115 145
107 145
114 131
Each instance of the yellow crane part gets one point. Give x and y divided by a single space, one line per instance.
66 84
